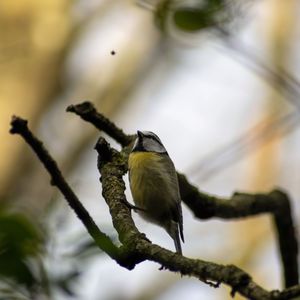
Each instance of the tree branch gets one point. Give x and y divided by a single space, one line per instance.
113 188
141 248
243 205
19 126
240 205
136 247
87 112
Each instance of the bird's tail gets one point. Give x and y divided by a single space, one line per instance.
177 243
173 231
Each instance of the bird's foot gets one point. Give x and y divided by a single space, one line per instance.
131 206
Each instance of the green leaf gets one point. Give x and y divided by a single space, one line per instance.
189 19
16 269
202 15
19 235
20 240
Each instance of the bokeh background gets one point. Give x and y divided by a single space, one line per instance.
217 81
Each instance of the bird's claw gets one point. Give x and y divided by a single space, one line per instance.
131 206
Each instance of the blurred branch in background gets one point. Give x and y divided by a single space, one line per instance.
109 81
257 136
276 124
220 16
36 59
27 27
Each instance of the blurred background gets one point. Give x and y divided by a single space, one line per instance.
216 80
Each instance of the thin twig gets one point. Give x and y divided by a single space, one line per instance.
87 112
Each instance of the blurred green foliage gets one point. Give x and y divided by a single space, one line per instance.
20 240
29 261
195 16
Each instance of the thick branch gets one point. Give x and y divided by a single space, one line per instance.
286 235
19 126
244 205
113 188
289 293
142 249
239 206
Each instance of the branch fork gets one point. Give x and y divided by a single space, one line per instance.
136 248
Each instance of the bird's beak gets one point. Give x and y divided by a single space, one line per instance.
140 134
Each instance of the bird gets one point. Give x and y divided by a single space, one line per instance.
154 185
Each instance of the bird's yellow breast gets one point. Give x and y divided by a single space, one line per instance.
144 176
142 159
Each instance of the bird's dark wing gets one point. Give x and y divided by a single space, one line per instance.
176 209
